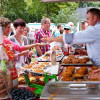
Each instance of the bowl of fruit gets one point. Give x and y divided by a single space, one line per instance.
22 93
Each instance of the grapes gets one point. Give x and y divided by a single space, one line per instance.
21 94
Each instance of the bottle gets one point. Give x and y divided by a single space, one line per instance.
53 57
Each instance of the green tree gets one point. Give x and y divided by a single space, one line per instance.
66 14
17 9
40 9
4 6
88 4
35 10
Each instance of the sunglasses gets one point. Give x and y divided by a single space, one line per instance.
66 29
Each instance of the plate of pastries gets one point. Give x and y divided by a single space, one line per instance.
37 67
33 77
45 57
77 60
73 73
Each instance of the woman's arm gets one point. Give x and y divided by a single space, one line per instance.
23 53
20 48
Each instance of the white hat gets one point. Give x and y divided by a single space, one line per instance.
71 23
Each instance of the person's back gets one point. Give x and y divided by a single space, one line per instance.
57 33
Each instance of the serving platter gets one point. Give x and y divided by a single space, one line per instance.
59 57
77 73
88 63
42 68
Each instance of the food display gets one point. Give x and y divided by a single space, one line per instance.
29 66
36 78
80 52
72 73
21 78
36 72
47 56
22 94
37 67
33 77
76 60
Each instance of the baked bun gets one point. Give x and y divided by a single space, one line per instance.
67 79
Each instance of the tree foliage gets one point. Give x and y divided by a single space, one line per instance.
41 9
4 6
66 14
17 9
35 10
88 4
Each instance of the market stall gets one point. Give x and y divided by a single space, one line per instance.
69 69
60 71
54 66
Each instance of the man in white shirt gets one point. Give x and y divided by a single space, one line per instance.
90 36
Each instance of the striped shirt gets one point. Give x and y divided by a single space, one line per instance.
38 35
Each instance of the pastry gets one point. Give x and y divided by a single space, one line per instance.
67 61
82 70
32 79
67 74
82 61
78 76
28 67
70 68
75 61
45 57
47 54
93 68
41 79
80 80
67 79
58 54
21 79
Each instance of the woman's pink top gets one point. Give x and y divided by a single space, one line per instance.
14 45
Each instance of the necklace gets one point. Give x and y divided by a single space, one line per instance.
19 39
